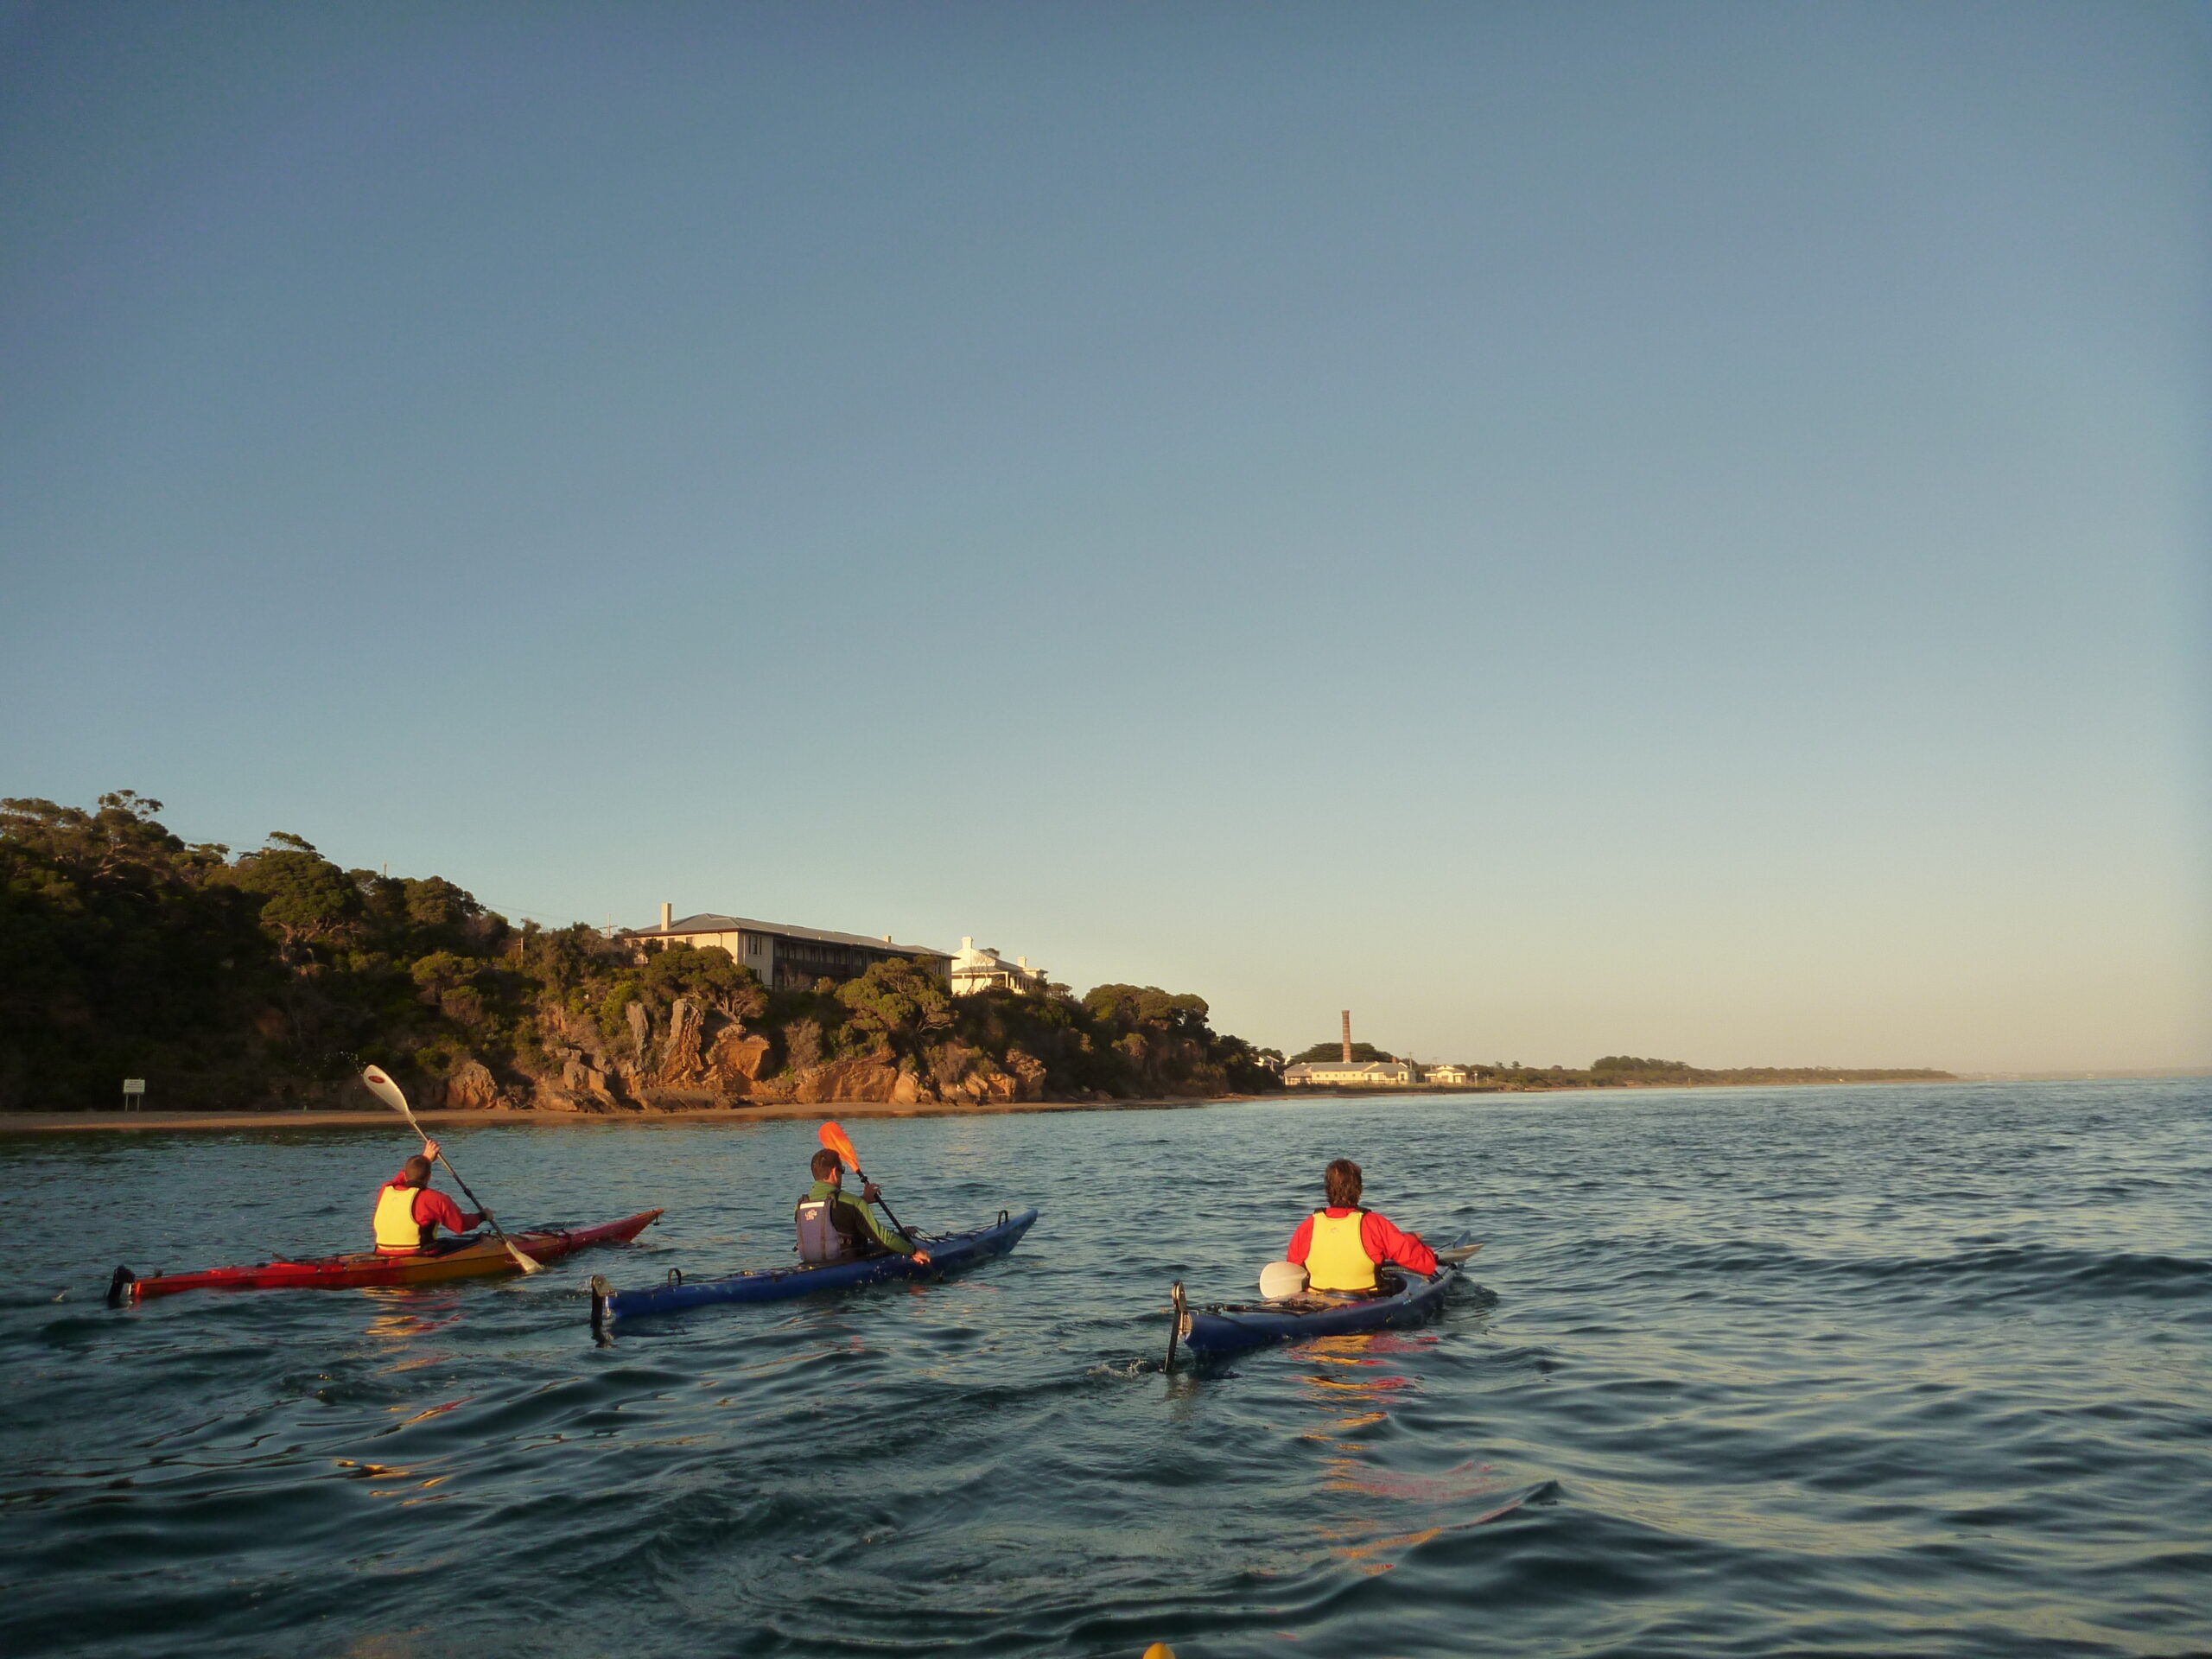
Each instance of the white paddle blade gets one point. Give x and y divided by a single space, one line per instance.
1281 1279
381 1085
1455 1257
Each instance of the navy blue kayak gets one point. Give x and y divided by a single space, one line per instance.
947 1254
1406 1299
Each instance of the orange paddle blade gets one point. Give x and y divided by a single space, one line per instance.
839 1142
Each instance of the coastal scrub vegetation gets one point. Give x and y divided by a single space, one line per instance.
268 977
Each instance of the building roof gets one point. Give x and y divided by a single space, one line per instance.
707 922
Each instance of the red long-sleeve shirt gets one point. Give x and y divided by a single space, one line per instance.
1379 1237
434 1206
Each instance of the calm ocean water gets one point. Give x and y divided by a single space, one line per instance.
1899 1370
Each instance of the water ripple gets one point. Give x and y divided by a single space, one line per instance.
1838 1372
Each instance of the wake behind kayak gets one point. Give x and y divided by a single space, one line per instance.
949 1253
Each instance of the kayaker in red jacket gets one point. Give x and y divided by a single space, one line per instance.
409 1211
1341 1246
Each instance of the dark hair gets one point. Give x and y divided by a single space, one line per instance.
417 1170
824 1164
1341 1179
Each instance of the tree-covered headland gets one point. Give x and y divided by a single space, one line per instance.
267 978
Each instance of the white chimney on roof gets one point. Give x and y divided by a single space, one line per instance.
667 916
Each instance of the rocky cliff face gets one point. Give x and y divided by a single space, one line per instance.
470 1087
698 1058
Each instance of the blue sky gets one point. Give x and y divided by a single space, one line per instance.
1567 529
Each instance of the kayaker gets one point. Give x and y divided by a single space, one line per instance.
1341 1245
832 1228
409 1211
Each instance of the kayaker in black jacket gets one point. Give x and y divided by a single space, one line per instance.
833 1228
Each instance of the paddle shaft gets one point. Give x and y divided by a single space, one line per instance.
475 1201
498 1231
879 1203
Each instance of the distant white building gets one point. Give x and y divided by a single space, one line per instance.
1446 1074
978 968
786 959
1359 1074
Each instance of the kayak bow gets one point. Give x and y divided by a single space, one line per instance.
947 1254
474 1258
1408 1298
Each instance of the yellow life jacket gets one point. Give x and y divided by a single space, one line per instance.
1335 1260
398 1231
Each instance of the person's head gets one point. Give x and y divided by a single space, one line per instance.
1341 1179
417 1170
826 1166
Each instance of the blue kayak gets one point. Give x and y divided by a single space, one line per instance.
1405 1299
947 1254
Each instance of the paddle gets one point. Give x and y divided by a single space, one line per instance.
1457 1254
841 1143
382 1086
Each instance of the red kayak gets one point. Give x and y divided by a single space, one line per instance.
471 1258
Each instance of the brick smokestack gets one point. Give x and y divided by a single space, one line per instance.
1347 1036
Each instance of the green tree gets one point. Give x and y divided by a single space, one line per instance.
1131 1007
1360 1052
121 841
305 899
563 960
709 975
900 1002
120 953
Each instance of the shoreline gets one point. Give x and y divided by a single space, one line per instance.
116 1118
33 1122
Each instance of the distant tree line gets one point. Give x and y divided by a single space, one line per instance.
268 979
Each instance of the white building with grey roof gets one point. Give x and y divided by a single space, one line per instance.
979 968
787 958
